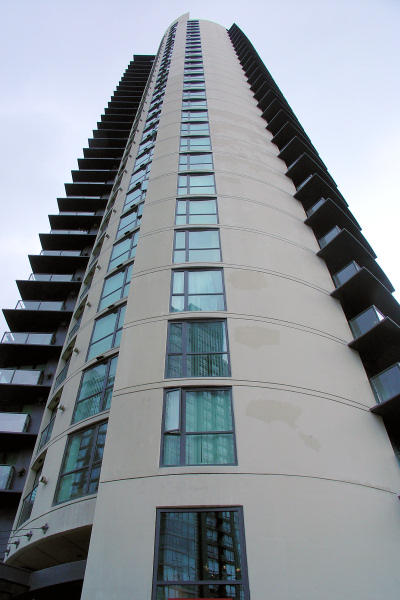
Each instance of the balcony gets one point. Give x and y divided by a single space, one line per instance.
325 213
358 289
46 433
62 374
22 347
37 314
20 376
328 237
35 339
365 321
23 385
296 146
60 261
81 204
72 239
14 432
313 188
27 505
386 387
6 477
304 166
283 137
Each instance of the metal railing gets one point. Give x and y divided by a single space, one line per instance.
27 505
46 433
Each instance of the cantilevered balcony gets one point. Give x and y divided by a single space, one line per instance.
7 473
84 220
24 347
94 175
81 203
376 338
285 134
386 387
23 385
37 315
15 430
295 147
52 286
358 289
304 166
67 261
325 213
315 187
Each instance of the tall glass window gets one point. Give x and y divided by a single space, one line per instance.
116 287
196 184
195 162
197 349
95 390
197 246
193 115
130 220
200 553
195 143
198 428
81 466
197 290
107 332
123 250
196 211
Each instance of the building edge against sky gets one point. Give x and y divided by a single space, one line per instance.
244 359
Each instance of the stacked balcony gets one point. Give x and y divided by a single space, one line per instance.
362 287
30 352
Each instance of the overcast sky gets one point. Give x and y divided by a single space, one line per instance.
336 62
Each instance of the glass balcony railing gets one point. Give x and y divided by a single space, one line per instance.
61 253
386 385
315 207
51 277
74 329
67 213
365 321
346 273
20 376
14 422
328 237
70 231
39 305
46 433
27 505
6 476
39 339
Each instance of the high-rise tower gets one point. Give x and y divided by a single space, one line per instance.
211 431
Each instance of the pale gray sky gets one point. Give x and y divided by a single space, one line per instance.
336 62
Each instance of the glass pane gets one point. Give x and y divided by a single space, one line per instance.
204 282
181 207
386 385
171 449
208 410
100 346
204 256
93 381
231 592
201 180
110 299
178 303
209 449
203 239
179 256
104 326
202 207
87 408
179 240
174 366
175 338
178 282
206 303
365 321
207 365
172 410
79 450
206 337
202 219
72 486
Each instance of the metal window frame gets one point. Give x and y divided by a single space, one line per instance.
104 388
187 213
189 167
185 323
244 582
186 287
91 464
112 334
187 248
192 141
190 189
125 269
182 426
134 237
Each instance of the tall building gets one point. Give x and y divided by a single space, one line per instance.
223 420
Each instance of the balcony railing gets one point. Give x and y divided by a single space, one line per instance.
51 277
62 374
20 376
14 422
46 433
27 505
74 329
328 237
365 321
39 339
386 385
61 253
67 213
315 207
39 305
70 231
6 476
346 273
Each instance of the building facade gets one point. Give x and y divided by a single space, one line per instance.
223 422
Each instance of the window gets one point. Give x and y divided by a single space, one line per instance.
134 197
193 85
196 211
187 104
197 290
82 463
197 349
123 250
116 287
130 220
198 428
194 115
188 95
107 332
194 128
146 157
195 162
200 553
197 246
195 143
95 390
196 184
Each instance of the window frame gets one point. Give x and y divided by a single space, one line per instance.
182 426
125 270
112 334
192 141
190 190
187 248
92 463
185 354
187 213
134 237
190 168
103 392
244 582
186 289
